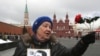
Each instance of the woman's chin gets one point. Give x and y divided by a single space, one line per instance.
45 39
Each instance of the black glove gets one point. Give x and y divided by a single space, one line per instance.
89 38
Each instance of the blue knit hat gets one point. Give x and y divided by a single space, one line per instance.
39 21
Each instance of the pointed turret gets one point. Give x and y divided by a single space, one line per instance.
67 20
26 9
67 16
54 18
26 18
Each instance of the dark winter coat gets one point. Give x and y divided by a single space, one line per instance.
56 48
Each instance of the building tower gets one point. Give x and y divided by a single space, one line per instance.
26 17
54 23
66 19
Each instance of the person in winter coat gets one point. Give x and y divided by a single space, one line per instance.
42 39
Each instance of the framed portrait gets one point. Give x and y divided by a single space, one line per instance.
38 52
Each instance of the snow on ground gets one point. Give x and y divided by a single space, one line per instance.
4 41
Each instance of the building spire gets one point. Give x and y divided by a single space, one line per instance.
26 9
67 15
54 18
26 18
67 20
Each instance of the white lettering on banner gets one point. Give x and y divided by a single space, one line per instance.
38 52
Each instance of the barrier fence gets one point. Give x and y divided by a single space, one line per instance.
6 46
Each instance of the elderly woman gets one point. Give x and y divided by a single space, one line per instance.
42 39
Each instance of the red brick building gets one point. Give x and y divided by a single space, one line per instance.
10 29
62 29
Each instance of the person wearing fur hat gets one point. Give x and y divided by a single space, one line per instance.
44 39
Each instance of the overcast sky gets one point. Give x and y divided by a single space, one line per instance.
12 11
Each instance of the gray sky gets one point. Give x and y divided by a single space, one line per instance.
12 11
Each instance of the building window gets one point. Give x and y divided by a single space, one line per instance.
60 28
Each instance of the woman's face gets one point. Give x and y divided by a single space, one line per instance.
44 31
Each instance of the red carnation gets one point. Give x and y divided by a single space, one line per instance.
78 19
